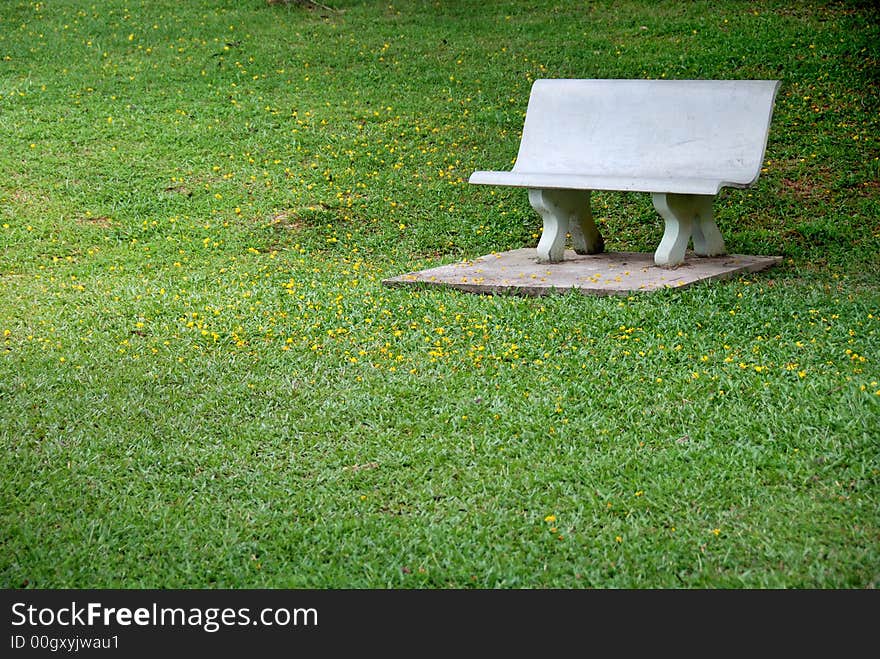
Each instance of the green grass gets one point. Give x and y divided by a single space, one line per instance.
203 382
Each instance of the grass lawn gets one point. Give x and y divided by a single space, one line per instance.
204 383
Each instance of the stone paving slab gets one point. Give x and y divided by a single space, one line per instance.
613 273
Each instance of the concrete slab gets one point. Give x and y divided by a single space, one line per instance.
613 273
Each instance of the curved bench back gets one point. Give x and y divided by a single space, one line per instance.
692 136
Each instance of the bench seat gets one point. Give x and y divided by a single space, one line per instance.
520 179
680 140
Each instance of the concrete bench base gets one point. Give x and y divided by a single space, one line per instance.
518 272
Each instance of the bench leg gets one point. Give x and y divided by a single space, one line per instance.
686 216
707 238
564 212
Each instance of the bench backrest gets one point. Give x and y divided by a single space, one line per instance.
650 129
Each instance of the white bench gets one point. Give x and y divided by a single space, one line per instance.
681 140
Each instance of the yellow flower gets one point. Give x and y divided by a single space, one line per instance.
550 518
